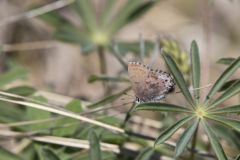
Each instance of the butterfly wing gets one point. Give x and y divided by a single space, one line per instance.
149 85
138 74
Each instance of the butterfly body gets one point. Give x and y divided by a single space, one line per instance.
149 85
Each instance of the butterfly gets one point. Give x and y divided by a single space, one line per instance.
149 85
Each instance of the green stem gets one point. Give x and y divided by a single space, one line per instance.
102 58
194 141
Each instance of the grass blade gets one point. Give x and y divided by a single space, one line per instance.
171 130
185 138
234 89
217 147
178 78
235 124
165 107
195 66
95 151
145 154
63 112
230 109
224 76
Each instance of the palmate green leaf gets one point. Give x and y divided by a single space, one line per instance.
95 151
53 18
223 78
227 85
229 109
185 138
71 34
121 18
108 99
7 155
145 154
226 61
214 142
86 11
133 47
195 66
178 78
165 107
107 12
166 134
94 78
231 91
235 124
140 10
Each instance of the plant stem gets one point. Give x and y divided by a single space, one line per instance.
192 155
102 58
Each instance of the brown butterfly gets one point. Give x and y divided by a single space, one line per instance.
149 85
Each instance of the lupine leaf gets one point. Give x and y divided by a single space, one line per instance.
185 138
195 65
222 79
166 134
165 107
178 78
217 147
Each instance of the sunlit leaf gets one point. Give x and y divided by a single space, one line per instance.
185 138
195 66
223 78
164 107
178 77
95 152
217 147
166 134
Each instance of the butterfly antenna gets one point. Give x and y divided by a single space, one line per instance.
193 89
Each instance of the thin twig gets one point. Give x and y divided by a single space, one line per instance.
36 12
